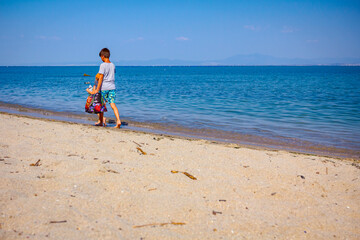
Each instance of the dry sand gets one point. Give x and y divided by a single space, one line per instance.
97 183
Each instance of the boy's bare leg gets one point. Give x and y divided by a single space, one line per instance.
116 112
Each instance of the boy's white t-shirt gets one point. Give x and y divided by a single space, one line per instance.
108 70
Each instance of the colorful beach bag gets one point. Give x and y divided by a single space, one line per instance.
95 104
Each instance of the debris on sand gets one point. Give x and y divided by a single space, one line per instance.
186 174
142 152
159 224
215 212
112 171
36 164
63 221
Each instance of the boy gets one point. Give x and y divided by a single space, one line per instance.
106 84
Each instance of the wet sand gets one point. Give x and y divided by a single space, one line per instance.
277 143
73 181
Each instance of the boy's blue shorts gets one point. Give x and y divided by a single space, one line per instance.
109 95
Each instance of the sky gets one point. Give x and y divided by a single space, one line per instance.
73 32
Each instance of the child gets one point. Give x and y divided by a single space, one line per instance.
102 119
106 85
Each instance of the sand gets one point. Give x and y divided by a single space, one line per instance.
102 183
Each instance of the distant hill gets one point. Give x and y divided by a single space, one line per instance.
157 62
259 59
237 60
243 60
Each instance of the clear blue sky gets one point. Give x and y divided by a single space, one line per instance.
74 31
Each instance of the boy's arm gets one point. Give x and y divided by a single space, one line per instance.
101 77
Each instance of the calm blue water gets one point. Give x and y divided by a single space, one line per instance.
316 104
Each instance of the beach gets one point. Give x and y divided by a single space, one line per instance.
63 180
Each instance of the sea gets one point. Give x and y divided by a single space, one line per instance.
293 107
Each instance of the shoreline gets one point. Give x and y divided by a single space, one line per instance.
283 143
64 180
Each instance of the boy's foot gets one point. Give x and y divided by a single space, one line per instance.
118 125
99 124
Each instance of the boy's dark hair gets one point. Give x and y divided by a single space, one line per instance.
104 52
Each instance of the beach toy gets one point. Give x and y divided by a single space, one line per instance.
86 75
95 104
